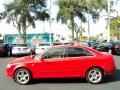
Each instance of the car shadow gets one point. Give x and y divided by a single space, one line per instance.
113 78
117 55
58 81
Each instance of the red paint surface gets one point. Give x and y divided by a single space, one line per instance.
64 67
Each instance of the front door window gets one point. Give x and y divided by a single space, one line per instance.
55 53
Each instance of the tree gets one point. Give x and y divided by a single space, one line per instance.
69 9
79 33
115 27
95 7
83 38
24 13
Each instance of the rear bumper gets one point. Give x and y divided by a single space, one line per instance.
38 51
110 70
117 51
3 52
20 52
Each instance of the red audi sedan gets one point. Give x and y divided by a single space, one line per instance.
63 62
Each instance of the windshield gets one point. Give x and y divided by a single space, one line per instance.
37 57
116 43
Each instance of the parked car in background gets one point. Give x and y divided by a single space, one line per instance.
5 49
115 50
91 44
22 49
44 46
68 61
105 46
112 47
41 48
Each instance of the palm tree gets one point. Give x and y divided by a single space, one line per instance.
69 9
79 33
24 13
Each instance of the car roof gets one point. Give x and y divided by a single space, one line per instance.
93 51
76 46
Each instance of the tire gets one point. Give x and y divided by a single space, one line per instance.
8 53
22 76
94 76
110 51
31 52
113 52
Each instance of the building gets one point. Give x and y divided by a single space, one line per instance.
32 39
1 38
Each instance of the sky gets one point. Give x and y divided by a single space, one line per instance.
57 27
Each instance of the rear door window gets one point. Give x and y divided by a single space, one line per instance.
77 52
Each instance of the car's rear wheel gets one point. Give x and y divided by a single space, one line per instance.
9 53
31 52
110 51
94 76
22 76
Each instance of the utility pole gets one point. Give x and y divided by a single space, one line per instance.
88 27
108 23
50 36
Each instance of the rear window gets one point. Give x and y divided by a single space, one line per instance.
116 43
106 44
44 44
20 45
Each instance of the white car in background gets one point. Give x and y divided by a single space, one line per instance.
41 48
23 49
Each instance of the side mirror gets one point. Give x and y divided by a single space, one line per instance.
42 59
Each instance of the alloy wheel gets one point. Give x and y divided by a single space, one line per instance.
22 76
94 76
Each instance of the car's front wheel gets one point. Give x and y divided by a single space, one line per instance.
94 76
22 76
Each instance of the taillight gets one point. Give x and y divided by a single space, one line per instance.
13 48
2 49
117 46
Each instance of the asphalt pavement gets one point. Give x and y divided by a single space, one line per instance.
110 82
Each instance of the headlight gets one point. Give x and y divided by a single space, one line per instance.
9 65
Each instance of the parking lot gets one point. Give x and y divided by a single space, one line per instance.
110 83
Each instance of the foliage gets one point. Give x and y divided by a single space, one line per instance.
94 8
69 9
79 33
24 13
115 27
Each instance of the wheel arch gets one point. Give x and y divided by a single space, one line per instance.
22 67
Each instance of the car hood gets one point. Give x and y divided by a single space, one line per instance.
25 59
